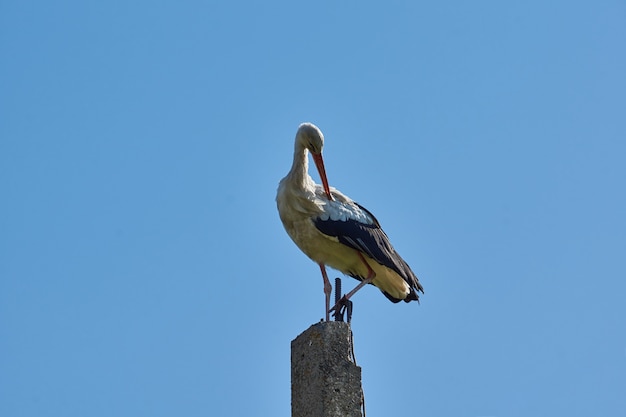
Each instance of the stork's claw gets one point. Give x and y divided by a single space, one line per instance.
341 303
344 305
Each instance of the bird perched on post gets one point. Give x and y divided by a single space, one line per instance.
333 230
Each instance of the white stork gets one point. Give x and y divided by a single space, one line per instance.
333 230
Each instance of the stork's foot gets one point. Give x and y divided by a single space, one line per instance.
343 306
340 304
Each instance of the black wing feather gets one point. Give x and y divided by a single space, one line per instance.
373 241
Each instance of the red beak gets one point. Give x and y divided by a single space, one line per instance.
319 163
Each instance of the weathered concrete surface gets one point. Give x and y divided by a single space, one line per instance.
324 380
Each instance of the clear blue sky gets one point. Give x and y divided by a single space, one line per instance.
143 267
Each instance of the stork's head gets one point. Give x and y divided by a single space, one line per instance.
310 137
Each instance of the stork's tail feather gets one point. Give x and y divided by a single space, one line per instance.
413 296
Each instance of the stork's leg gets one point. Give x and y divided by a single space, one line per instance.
370 277
327 290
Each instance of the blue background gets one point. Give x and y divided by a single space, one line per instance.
143 267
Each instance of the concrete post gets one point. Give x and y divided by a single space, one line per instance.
325 381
